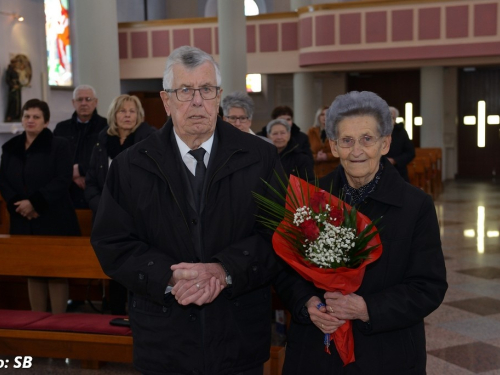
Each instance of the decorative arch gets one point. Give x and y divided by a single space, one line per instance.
211 7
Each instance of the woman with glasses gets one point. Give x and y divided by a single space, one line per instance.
324 161
293 159
125 128
35 175
398 290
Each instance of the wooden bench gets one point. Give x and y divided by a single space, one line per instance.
67 257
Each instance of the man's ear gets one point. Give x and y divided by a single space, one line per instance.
333 147
165 98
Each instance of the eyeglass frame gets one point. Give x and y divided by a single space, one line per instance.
358 140
242 119
217 88
87 99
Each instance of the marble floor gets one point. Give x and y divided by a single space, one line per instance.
463 335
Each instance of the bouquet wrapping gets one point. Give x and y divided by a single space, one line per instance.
334 272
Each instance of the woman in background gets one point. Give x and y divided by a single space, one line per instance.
293 159
125 128
324 161
35 174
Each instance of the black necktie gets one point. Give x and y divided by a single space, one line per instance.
199 173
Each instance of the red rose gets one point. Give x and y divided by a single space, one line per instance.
318 202
310 229
336 216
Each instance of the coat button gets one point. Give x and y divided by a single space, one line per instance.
192 317
134 304
246 253
194 222
141 276
236 304
165 309
151 263
255 268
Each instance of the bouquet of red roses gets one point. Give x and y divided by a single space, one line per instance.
326 241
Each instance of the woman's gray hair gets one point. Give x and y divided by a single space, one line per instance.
83 87
190 58
278 121
355 103
238 99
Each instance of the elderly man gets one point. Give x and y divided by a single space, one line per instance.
81 130
177 226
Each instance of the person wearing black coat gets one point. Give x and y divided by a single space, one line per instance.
293 159
126 127
301 139
81 130
398 290
35 174
177 226
402 151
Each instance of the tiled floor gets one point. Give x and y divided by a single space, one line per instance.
463 335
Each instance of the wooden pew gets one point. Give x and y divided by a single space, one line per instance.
68 257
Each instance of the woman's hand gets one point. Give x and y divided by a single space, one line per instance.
348 307
26 209
327 323
321 156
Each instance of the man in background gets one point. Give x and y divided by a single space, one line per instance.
81 130
402 151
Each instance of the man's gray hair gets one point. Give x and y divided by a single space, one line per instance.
83 87
238 99
355 103
190 58
278 121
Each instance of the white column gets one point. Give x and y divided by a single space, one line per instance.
432 107
95 39
304 104
232 45
450 128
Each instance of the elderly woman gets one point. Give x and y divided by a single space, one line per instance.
125 128
238 108
35 175
294 160
324 161
401 288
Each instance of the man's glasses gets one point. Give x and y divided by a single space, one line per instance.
242 119
87 99
365 141
186 94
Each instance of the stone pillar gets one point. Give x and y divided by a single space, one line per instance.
95 43
232 45
304 105
432 107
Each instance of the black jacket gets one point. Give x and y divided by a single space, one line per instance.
295 161
400 289
145 223
82 138
99 162
41 174
402 150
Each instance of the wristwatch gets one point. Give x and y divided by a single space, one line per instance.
229 279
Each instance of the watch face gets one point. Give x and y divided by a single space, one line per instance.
229 280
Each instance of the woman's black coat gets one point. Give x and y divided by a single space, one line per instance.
296 162
99 164
400 289
42 174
